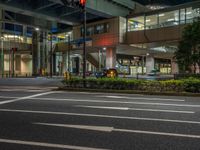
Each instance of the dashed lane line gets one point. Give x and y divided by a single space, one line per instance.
117 102
101 116
112 129
136 109
49 145
142 98
26 97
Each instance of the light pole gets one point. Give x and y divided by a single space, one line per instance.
51 55
68 54
84 40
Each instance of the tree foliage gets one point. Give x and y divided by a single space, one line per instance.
188 53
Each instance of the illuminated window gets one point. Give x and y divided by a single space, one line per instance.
182 16
135 24
169 18
151 22
189 15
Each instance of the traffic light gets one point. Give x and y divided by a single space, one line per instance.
82 2
74 3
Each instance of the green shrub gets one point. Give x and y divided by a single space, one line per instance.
185 85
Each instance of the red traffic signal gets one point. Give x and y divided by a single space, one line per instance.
82 2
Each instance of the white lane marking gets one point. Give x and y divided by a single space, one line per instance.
7 97
26 97
101 116
158 133
137 109
103 107
85 127
117 102
50 145
112 129
143 98
24 90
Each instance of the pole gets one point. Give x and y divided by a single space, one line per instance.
13 63
2 58
51 55
84 44
69 47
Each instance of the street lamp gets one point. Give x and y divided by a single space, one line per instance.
83 3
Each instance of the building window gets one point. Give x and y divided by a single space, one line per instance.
90 31
151 22
99 29
169 18
182 16
189 15
106 26
29 31
135 24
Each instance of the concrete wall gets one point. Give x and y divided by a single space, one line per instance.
105 39
155 35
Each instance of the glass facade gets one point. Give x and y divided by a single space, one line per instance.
96 29
164 19
151 21
136 23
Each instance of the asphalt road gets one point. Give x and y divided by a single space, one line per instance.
37 118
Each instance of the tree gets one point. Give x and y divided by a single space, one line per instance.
188 52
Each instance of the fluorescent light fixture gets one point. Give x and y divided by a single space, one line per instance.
148 20
37 29
172 19
104 48
161 15
188 13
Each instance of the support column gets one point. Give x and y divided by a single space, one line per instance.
35 54
149 63
174 67
110 57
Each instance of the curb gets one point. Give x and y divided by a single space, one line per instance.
128 92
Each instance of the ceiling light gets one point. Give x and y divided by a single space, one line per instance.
161 15
172 19
188 13
37 29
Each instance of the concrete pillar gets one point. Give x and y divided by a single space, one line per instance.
174 66
149 63
110 57
65 61
35 53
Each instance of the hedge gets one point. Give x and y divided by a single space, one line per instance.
186 85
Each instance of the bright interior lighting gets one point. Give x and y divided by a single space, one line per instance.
188 13
148 20
161 15
170 19
37 29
